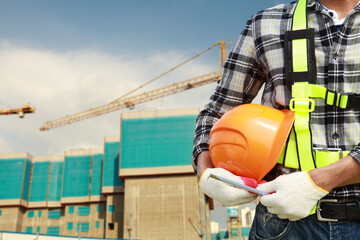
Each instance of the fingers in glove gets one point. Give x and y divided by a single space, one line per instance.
269 187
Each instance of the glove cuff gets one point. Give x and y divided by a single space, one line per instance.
320 188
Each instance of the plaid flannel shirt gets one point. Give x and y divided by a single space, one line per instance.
257 59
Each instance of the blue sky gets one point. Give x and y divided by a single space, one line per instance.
130 26
67 56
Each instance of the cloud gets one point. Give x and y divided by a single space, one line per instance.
62 83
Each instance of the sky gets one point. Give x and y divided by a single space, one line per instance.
63 57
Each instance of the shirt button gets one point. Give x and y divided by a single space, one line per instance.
335 136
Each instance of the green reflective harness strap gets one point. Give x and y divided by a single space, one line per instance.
298 151
300 70
299 49
315 91
302 107
324 158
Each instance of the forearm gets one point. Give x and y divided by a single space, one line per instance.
203 162
344 172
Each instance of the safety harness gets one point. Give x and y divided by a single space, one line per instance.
300 70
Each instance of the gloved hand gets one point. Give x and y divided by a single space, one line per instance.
293 196
223 192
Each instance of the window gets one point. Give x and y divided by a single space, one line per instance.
111 208
84 211
83 227
38 229
248 218
54 230
31 214
54 214
70 226
71 210
97 224
111 226
39 214
98 208
28 229
0 213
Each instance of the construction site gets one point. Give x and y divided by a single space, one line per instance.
139 185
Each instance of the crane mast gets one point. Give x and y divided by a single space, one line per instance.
130 102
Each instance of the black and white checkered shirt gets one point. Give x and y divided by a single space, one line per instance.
257 60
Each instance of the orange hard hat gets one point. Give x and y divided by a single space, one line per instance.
248 139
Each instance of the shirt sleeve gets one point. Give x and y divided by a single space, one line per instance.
355 153
242 78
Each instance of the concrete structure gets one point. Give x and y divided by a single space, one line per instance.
159 180
139 185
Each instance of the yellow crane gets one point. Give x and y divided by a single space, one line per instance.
20 111
130 102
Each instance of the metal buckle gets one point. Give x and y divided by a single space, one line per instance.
339 150
318 210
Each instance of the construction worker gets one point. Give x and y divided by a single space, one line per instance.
259 58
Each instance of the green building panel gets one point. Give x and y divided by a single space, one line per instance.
157 141
55 181
111 165
11 180
39 181
76 176
97 163
26 184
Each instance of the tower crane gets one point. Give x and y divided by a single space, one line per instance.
19 111
130 102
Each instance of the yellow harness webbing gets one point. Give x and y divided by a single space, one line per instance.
299 45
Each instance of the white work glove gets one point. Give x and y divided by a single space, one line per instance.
223 192
292 196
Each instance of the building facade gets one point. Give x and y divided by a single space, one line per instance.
139 185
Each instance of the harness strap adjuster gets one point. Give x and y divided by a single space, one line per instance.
335 94
302 105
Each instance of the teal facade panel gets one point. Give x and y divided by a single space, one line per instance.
26 185
83 227
70 226
55 181
111 165
245 231
39 181
76 176
71 210
31 214
97 163
53 230
83 211
157 142
54 214
11 180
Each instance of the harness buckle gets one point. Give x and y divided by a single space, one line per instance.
318 210
302 105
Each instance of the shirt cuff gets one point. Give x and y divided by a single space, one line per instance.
355 153
197 150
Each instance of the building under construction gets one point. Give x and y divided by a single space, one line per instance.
139 185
